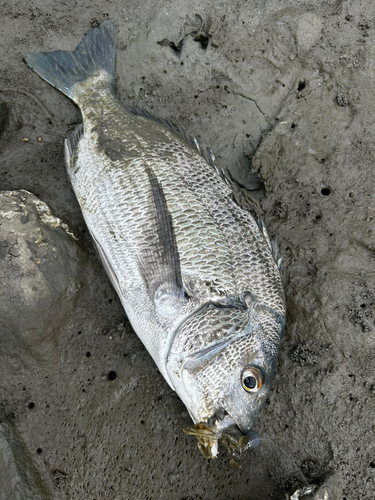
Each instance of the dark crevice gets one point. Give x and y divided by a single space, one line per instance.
176 48
198 28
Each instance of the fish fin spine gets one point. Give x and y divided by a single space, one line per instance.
95 53
204 151
71 143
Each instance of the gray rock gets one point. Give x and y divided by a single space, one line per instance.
40 273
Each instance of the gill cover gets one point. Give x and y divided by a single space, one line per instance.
223 360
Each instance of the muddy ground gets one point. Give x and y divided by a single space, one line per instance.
280 88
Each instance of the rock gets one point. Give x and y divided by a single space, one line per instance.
19 476
40 273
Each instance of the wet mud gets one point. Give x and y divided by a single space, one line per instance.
283 93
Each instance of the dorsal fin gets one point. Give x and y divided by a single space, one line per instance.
204 151
136 110
241 196
275 252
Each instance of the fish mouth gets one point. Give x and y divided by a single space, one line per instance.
222 428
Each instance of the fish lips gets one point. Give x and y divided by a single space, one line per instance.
223 429
228 427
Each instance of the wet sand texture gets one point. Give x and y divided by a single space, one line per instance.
280 89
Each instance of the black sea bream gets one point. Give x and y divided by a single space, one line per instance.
195 273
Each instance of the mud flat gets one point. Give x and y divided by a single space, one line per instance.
283 93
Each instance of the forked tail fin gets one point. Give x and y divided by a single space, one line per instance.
95 53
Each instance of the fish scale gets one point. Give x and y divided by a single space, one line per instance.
203 330
194 271
199 228
253 263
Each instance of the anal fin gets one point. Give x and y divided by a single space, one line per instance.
71 143
107 266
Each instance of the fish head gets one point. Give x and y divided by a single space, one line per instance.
225 384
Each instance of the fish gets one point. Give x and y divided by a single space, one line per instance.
197 275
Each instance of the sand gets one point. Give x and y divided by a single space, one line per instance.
282 91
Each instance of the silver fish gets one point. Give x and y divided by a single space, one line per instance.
196 273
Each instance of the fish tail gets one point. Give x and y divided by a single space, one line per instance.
95 53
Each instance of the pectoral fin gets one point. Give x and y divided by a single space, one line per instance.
160 260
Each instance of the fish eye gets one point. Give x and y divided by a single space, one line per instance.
252 378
